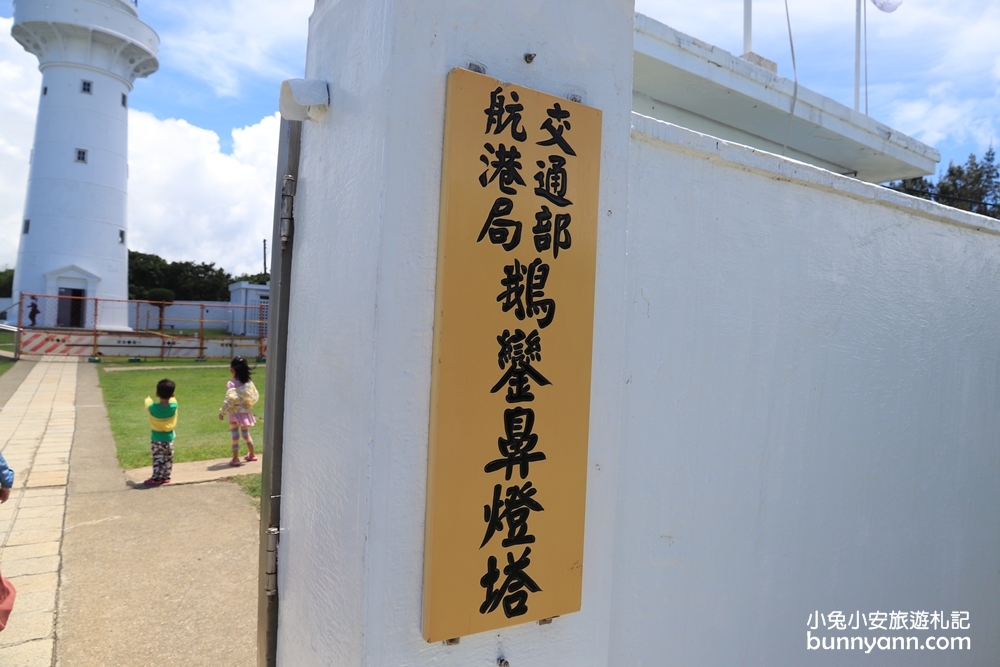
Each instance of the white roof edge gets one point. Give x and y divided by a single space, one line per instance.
655 39
776 166
71 268
246 284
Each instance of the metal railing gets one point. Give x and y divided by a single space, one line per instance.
88 326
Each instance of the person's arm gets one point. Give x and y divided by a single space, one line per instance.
229 402
252 395
6 479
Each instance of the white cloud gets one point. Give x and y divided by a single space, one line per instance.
188 201
938 117
20 80
955 99
222 42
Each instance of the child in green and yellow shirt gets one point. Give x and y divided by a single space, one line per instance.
163 420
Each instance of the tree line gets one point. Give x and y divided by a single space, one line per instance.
6 283
974 186
152 277
169 281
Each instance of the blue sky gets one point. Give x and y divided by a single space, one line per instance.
225 89
203 130
228 80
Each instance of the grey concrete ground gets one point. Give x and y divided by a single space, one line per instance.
164 576
193 472
12 379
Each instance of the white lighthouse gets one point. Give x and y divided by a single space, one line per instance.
74 234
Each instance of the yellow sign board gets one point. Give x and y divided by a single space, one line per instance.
513 336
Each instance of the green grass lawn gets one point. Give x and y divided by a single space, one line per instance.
250 485
5 364
200 391
7 340
209 333
169 361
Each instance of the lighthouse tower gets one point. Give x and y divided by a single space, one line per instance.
74 234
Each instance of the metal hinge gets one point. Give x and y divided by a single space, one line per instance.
271 571
287 209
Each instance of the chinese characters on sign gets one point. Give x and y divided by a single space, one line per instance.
891 620
513 341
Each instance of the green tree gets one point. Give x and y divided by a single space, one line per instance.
188 281
6 283
145 272
974 186
198 282
254 278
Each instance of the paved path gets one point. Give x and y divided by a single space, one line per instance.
36 433
108 574
193 472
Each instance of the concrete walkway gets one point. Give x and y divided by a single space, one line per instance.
36 432
108 573
194 472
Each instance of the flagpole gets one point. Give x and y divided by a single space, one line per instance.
866 59
857 59
747 26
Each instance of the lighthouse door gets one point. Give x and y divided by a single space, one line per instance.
70 310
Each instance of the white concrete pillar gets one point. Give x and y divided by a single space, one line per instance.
362 315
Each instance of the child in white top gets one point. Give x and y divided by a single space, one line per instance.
241 396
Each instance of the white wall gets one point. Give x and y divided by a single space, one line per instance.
183 315
810 422
794 386
250 318
358 377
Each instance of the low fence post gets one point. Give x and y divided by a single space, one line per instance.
95 329
260 331
201 333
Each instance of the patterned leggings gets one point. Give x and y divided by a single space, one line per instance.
163 459
235 433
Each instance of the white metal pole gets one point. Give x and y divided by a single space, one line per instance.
747 26
857 59
866 58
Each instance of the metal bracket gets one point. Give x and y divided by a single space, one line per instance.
271 572
287 209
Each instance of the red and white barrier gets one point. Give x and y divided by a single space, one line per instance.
47 342
108 345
